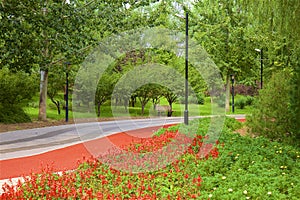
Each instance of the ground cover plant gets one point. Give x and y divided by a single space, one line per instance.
235 167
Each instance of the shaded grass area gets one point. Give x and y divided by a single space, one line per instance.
108 110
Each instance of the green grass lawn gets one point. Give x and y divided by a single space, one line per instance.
108 110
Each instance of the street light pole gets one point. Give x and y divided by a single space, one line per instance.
67 91
261 66
186 112
232 82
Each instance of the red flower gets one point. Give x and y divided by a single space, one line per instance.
129 186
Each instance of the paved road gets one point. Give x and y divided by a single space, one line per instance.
22 143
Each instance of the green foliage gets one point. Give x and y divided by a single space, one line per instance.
271 116
295 94
56 85
15 114
104 90
249 100
240 103
251 167
220 100
16 90
193 100
232 124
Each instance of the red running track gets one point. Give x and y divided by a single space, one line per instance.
67 158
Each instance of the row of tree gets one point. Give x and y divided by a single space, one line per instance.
36 37
40 38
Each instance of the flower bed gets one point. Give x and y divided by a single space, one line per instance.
236 168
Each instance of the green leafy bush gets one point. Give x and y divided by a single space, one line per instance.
220 100
14 114
249 100
232 123
271 116
199 99
251 168
240 103
16 90
295 94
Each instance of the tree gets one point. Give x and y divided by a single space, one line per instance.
271 116
144 95
221 27
56 32
155 94
104 90
37 36
57 84
276 23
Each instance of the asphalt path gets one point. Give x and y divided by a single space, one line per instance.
15 144
21 143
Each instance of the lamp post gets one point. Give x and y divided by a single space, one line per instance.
67 90
261 67
232 83
186 112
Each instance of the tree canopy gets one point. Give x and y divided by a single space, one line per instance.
40 37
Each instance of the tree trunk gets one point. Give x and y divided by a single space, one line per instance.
133 100
43 96
170 110
44 81
143 109
126 103
57 104
227 91
98 109
58 107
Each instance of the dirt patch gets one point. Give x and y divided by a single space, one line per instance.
244 131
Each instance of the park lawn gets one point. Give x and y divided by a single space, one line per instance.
109 111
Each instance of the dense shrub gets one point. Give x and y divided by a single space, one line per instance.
240 102
220 100
246 90
232 123
249 100
16 90
13 115
295 94
271 116
199 99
